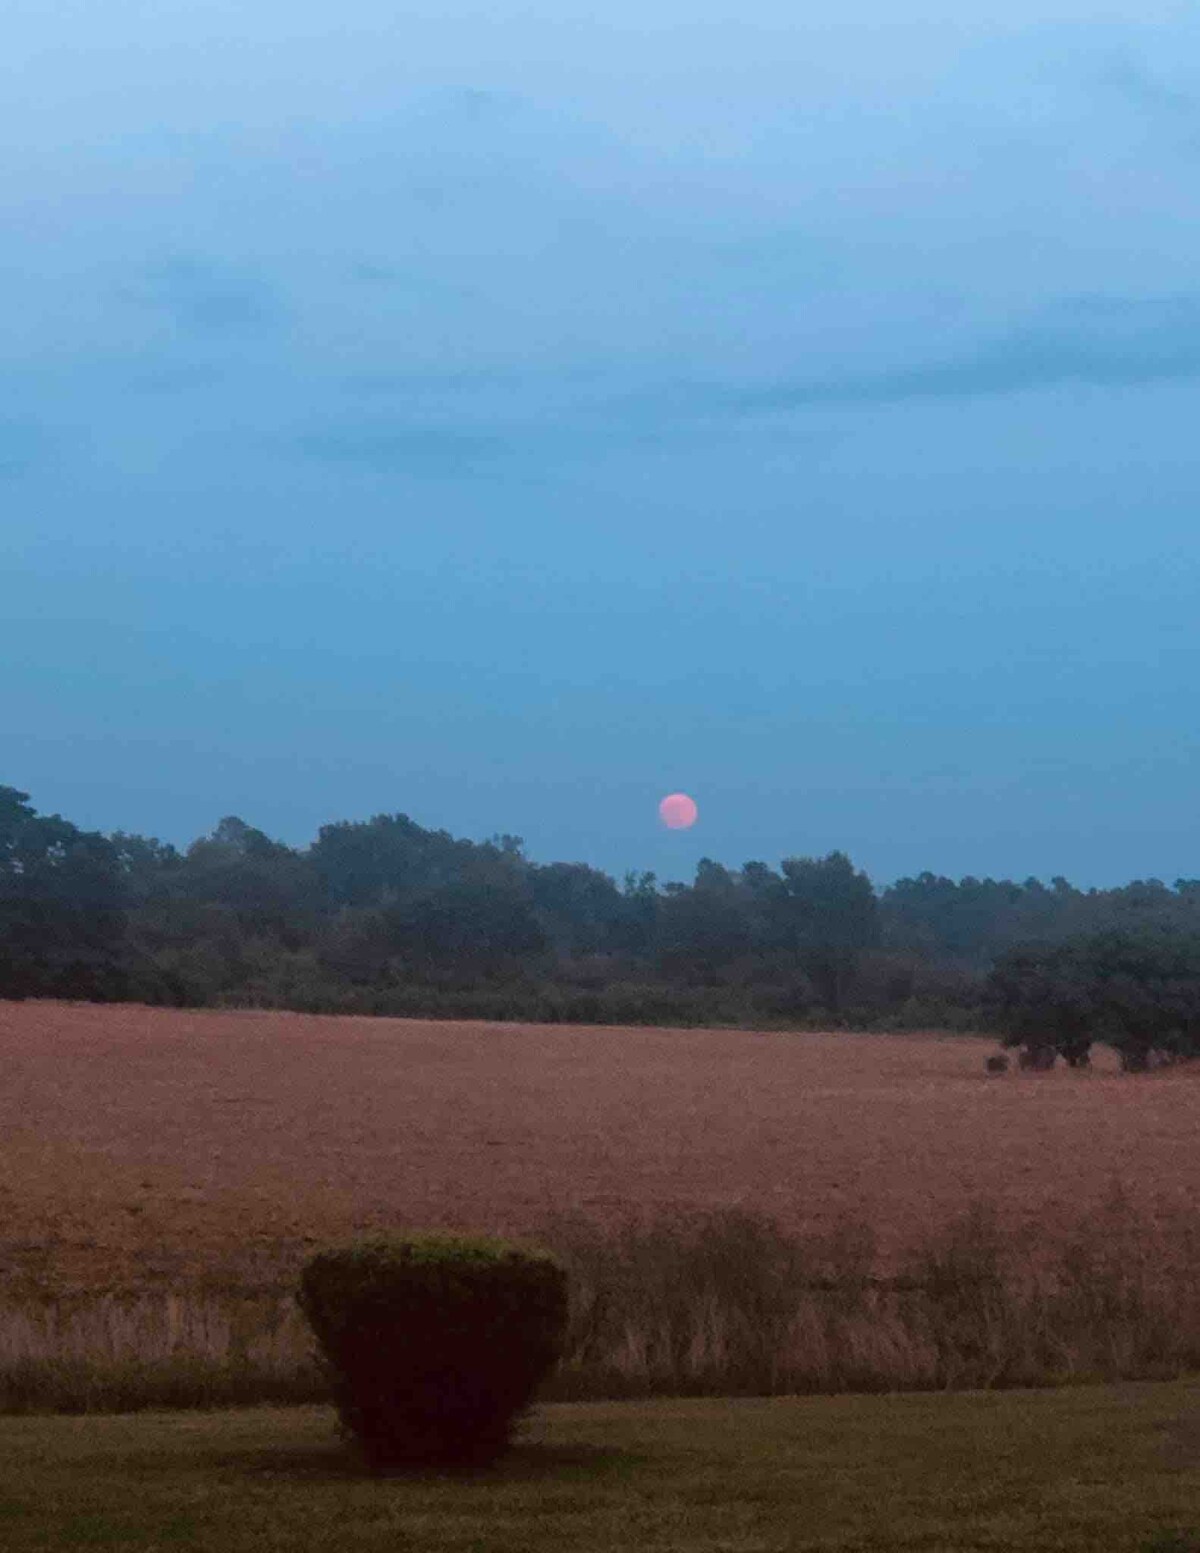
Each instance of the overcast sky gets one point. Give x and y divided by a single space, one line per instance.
509 412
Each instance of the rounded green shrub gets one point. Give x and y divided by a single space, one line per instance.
433 1345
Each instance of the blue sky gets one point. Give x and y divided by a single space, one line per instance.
508 413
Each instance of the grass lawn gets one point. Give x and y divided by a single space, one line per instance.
1100 1469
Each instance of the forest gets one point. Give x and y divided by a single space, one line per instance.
383 916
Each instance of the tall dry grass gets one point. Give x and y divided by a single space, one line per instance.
703 1304
729 1304
119 1353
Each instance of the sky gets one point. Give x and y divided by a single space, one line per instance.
509 413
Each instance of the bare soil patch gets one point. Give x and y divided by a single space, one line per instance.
147 1147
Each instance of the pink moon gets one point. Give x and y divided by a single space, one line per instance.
677 811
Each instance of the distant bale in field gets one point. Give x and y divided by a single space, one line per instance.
997 1063
1037 1059
1152 1061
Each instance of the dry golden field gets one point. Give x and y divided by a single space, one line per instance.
142 1148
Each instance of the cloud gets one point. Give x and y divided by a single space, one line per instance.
1148 90
480 104
179 377
1097 341
372 274
208 297
457 384
476 422
20 446
405 448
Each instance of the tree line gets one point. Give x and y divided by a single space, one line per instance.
383 916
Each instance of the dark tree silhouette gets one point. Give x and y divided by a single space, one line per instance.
385 916
62 920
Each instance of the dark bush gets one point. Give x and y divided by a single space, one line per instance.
434 1346
1139 992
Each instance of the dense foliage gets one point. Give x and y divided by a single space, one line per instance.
1139 992
62 907
432 1345
383 916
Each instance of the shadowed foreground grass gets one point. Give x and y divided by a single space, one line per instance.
1109 1469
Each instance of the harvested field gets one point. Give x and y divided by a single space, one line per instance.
147 1148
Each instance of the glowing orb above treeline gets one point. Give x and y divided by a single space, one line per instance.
677 811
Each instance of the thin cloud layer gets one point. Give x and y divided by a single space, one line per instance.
392 448
1149 90
1104 343
486 341
207 297
21 446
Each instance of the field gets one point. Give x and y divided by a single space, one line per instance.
1101 1470
154 1149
